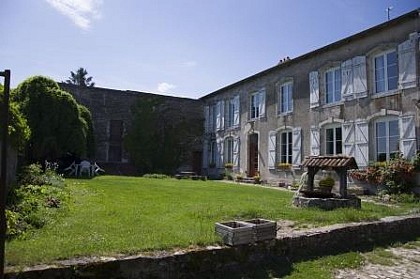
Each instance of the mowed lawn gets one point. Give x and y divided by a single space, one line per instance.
113 215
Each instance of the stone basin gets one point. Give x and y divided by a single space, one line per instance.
327 203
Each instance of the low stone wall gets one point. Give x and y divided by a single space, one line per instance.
231 262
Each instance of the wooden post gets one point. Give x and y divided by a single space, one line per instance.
311 177
343 183
3 180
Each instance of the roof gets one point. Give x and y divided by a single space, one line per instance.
330 162
408 16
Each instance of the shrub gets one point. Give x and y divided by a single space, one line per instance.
396 175
372 174
327 182
283 166
33 175
29 204
416 161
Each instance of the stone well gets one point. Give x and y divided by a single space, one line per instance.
308 196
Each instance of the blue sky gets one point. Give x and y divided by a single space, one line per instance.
175 47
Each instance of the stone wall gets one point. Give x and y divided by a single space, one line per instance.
107 105
233 262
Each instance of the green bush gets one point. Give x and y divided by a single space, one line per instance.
327 182
397 175
30 205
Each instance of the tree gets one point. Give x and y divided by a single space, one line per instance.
80 78
58 123
18 127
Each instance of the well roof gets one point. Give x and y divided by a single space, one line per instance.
337 161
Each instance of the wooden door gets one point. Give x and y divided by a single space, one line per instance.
252 155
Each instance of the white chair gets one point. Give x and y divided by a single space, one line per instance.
85 167
96 169
72 168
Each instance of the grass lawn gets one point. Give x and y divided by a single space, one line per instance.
112 215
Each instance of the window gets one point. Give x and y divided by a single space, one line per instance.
386 72
286 98
257 106
284 147
387 139
212 117
116 128
232 112
229 150
333 86
114 153
213 153
333 141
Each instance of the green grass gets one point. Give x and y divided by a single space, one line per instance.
323 268
381 256
113 215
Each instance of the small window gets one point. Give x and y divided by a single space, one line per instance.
116 128
333 86
232 112
333 141
386 72
114 153
285 98
257 104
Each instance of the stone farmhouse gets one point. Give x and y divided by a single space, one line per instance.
359 96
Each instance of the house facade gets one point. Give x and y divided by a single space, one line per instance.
358 96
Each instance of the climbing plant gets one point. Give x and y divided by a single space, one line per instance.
156 142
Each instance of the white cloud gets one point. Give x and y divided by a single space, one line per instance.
164 87
189 64
81 12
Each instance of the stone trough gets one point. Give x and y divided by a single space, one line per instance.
244 232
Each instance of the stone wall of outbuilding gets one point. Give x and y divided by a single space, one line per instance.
108 105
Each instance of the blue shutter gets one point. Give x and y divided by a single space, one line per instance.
236 111
407 62
272 150
297 146
314 89
408 139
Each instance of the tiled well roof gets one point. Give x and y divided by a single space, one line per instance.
330 162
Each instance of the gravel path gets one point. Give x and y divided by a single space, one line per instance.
406 266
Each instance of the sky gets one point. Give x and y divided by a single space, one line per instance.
185 48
